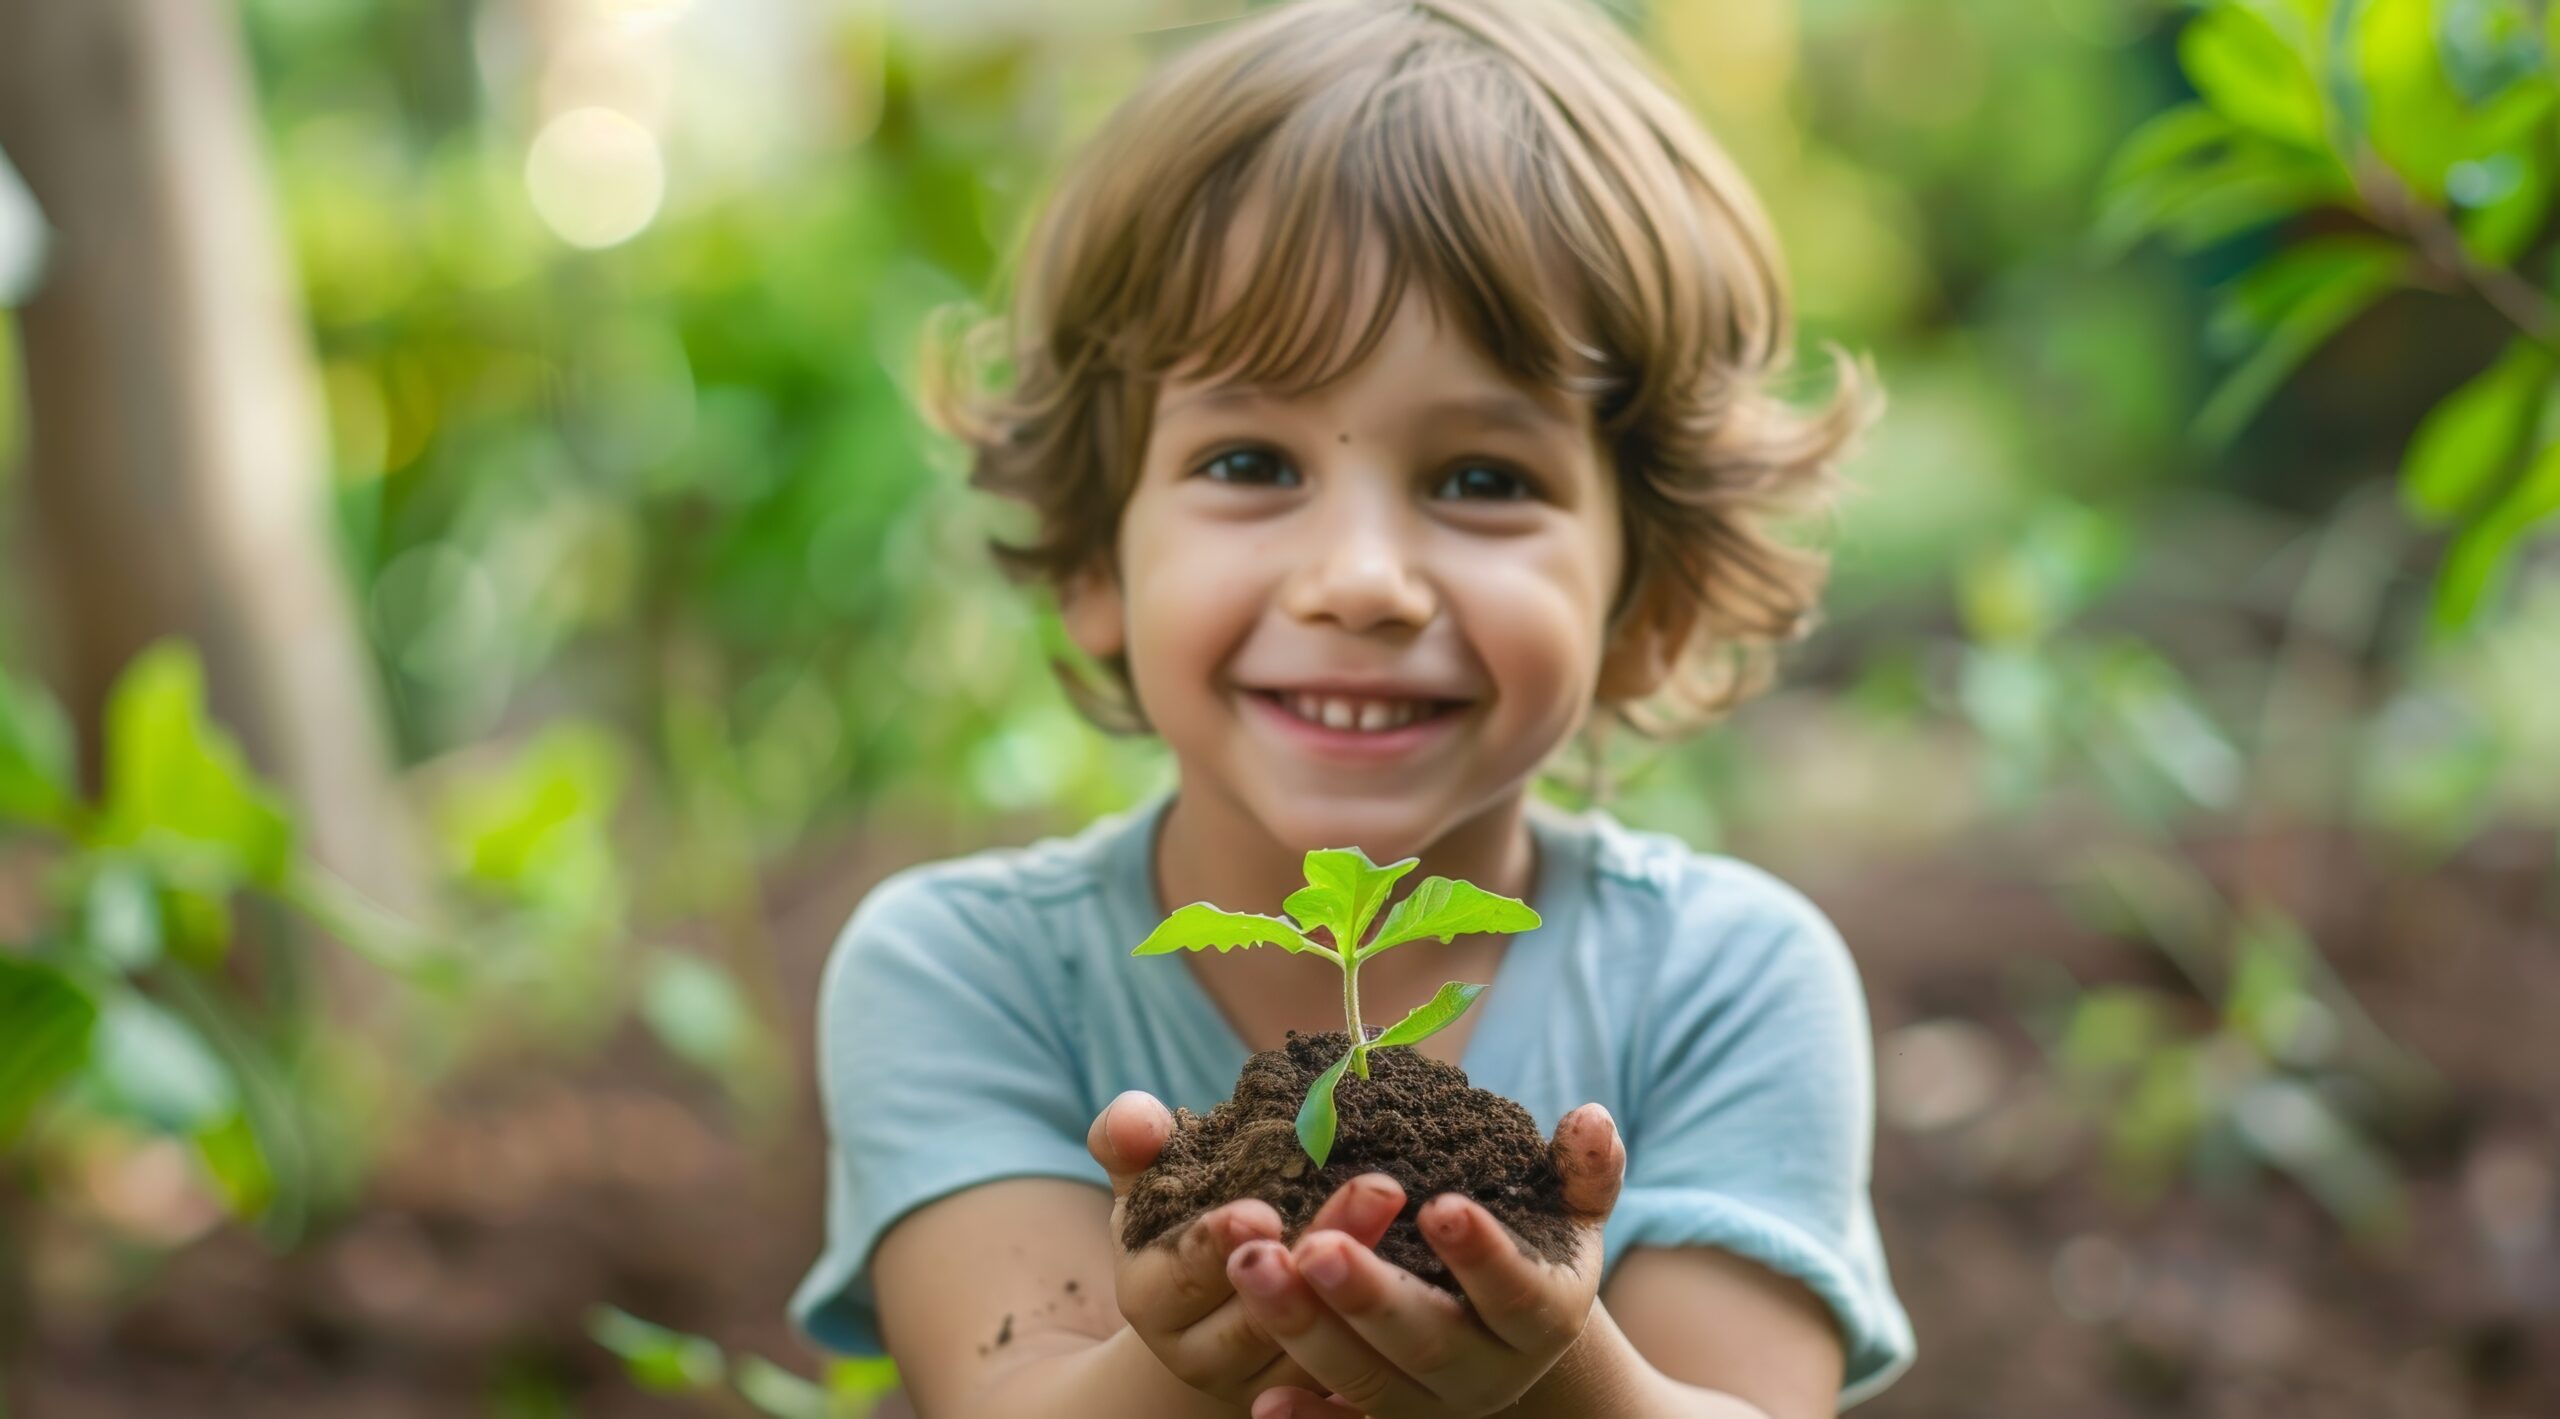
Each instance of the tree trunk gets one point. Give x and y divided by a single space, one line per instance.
178 475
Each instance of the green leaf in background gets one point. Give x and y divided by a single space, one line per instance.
2503 201
1344 890
176 781
2294 1128
238 1165
2413 116
155 1067
659 1359
1201 926
1316 1117
2290 305
2467 445
45 1030
35 758
2192 176
536 829
2476 567
120 915
1444 909
862 1380
2253 76
698 1010
776 1391
1430 1017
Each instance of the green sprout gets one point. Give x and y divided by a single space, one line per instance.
1344 891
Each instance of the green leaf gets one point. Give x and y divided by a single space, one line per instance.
120 915
176 781
777 1391
2498 228
35 758
238 1165
2192 176
1316 1119
699 1012
537 828
2318 288
667 1361
2466 445
1201 926
2252 76
2476 566
46 1022
157 1068
2415 118
867 1377
1344 890
1430 1017
1445 909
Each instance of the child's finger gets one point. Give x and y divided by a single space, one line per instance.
1419 1328
1165 1289
1362 1208
1126 1137
1291 1313
1593 1160
1292 1403
1532 1305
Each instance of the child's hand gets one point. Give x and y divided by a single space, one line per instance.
1385 1343
1177 1298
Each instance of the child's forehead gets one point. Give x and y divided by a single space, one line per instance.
1238 347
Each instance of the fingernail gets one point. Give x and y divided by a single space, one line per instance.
1447 1220
1326 1266
1258 1270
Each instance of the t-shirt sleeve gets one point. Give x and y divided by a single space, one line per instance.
1755 1123
943 1063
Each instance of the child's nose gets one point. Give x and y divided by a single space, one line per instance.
1361 577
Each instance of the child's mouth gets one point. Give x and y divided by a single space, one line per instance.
1357 726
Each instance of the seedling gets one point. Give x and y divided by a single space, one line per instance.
1344 891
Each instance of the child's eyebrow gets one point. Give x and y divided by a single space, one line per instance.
1500 410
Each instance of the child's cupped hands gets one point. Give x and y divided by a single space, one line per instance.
1379 1341
1178 1298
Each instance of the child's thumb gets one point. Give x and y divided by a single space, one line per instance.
1593 1160
1127 1135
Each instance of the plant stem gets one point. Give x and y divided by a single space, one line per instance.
1351 1013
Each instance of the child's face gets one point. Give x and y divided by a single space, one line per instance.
1375 533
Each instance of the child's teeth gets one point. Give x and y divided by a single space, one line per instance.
1368 716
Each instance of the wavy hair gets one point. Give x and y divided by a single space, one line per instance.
1529 164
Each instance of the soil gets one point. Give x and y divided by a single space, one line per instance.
1414 1118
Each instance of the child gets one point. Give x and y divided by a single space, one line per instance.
1391 382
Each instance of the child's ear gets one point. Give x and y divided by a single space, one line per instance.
1648 643
1091 606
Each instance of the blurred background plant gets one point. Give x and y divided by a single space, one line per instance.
2178 753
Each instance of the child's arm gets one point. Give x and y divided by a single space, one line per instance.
1013 1298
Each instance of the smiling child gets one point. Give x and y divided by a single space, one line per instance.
1394 386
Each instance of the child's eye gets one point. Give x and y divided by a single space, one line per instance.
1485 480
1249 466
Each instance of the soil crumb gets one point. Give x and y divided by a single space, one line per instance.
1414 1118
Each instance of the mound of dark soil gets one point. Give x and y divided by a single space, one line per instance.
1414 1118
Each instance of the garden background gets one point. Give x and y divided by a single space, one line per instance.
480 607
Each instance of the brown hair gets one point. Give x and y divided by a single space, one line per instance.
1529 164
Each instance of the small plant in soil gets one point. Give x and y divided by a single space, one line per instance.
1297 1127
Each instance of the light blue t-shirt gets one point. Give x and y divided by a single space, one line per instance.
977 1013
